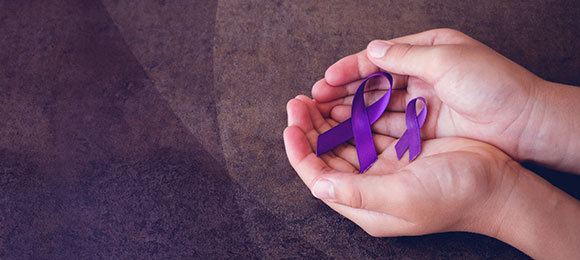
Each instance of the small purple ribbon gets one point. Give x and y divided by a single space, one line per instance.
411 139
358 126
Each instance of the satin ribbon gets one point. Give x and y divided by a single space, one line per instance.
358 126
411 139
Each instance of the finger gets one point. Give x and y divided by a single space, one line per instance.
359 65
350 68
299 115
397 102
301 157
318 121
435 37
343 151
390 123
388 193
382 142
428 63
322 91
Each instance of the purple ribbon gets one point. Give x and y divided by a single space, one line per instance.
411 139
358 126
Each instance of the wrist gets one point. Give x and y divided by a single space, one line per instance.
537 218
534 115
487 216
549 138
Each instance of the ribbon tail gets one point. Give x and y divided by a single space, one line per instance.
402 145
414 145
363 139
410 140
334 137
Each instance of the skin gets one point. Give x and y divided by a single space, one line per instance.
456 184
471 91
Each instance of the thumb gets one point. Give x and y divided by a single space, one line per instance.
426 62
381 193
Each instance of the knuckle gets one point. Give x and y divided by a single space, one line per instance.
452 35
398 52
356 199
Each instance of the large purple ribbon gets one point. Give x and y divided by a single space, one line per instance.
358 126
411 139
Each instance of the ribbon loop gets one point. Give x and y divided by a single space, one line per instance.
411 139
358 126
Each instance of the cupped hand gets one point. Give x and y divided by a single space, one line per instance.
471 90
455 183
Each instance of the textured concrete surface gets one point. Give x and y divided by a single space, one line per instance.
152 129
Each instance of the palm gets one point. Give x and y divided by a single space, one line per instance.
449 175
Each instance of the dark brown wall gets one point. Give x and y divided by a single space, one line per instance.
153 129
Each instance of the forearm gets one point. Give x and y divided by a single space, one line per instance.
552 136
539 219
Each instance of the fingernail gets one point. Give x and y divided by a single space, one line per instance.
323 189
378 49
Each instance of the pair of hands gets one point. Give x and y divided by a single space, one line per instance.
456 183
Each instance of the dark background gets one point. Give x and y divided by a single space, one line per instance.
153 129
